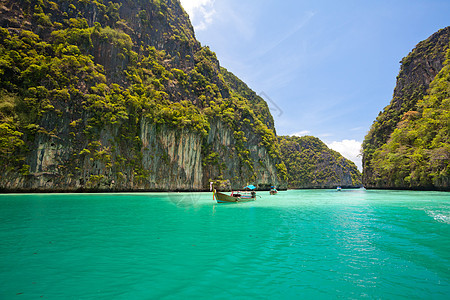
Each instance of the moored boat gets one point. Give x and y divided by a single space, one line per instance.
236 196
273 190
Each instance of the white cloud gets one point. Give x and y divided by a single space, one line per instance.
350 149
301 133
201 12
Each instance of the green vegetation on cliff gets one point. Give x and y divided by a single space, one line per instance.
311 164
408 144
258 105
417 155
73 72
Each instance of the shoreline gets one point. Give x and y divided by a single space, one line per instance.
113 191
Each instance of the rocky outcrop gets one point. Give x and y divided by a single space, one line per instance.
120 96
419 70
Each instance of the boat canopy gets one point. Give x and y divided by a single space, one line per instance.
250 187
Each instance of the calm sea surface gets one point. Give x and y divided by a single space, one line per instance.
297 244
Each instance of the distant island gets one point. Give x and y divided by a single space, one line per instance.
311 164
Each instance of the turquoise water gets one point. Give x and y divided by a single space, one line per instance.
297 244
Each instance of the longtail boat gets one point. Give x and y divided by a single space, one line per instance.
236 196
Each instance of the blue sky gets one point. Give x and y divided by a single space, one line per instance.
326 68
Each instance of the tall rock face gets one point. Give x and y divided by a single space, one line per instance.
119 95
408 145
311 164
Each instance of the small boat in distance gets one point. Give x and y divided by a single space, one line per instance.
273 190
236 196
338 189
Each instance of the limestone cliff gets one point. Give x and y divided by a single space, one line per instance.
119 95
311 164
407 146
